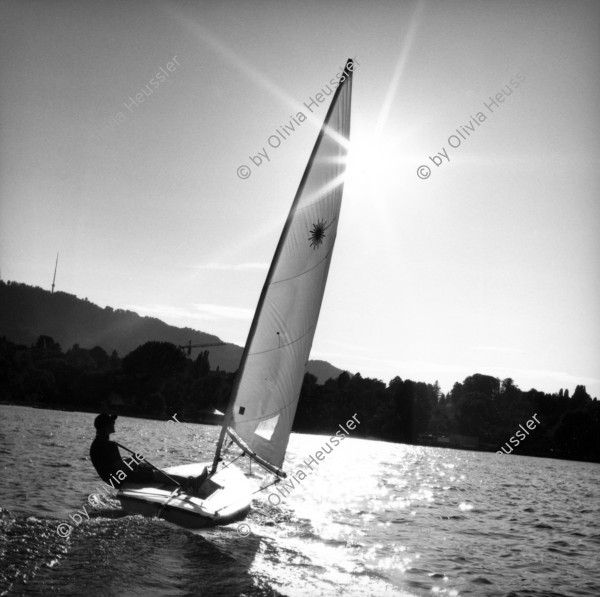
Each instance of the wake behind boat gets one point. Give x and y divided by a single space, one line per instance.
267 387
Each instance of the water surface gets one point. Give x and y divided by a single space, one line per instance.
371 518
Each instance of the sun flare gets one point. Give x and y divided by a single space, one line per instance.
371 163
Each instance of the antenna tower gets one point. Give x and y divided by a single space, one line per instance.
55 268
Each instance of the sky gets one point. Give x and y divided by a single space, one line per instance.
469 234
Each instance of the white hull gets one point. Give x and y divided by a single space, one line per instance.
230 500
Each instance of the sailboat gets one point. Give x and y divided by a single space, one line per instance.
267 387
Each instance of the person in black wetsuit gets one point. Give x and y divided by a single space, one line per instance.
114 470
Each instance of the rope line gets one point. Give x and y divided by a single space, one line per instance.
259 489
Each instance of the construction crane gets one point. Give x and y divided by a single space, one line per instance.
55 268
188 347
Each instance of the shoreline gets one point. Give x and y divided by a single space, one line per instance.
214 422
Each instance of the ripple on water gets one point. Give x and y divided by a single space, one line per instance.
374 519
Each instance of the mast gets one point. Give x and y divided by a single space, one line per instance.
347 73
54 279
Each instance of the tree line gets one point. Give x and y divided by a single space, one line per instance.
157 379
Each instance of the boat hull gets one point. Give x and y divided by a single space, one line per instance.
229 500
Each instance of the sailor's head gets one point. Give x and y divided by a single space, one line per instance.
105 422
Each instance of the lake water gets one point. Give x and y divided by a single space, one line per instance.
373 518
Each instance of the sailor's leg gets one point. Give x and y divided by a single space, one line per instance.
141 474
202 477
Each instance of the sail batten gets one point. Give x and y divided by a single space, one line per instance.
286 344
267 388
303 273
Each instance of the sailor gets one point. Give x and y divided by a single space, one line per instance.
113 470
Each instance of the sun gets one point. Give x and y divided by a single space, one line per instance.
371 163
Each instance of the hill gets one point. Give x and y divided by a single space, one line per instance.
26 312
323 370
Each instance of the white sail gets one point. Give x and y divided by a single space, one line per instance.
272 369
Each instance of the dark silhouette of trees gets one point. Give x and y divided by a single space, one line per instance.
158 380
154 359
